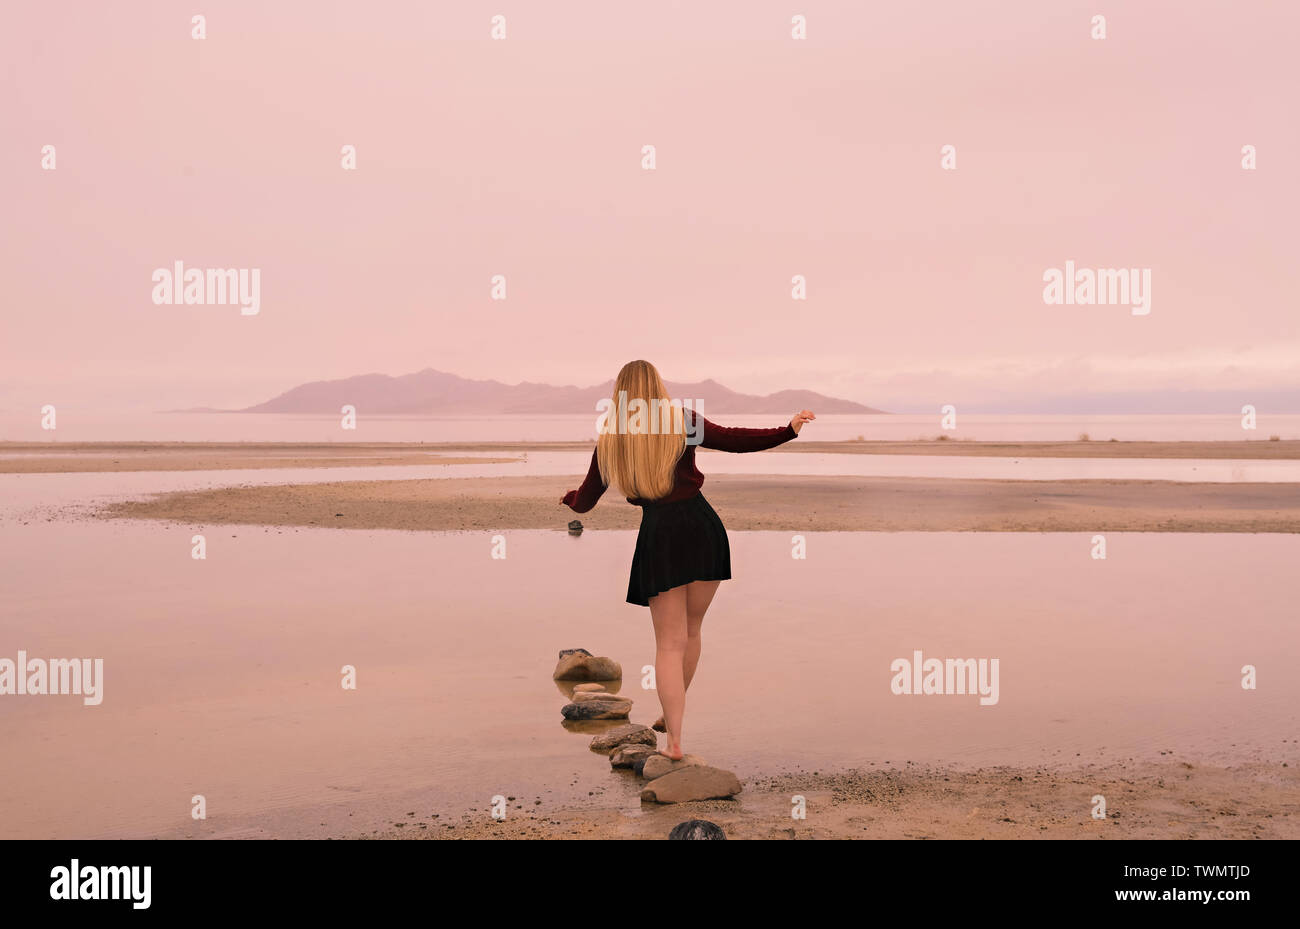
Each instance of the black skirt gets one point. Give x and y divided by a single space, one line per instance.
679 542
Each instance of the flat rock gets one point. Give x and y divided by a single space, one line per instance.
659 765
626 756
586 697
597 709
693 782
697 829
639 767
588 688
631 734
578 664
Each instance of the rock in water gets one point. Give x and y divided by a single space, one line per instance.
626 756
578 664
583 697
697 829
598 709
693 782
575 527
639 765
659 765
631 734
588 688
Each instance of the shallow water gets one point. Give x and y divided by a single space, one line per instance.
222 677
103 486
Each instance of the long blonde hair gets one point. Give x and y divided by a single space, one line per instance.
640 443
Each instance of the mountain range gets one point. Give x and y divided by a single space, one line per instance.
430 391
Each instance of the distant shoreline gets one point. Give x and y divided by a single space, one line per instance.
43 457
754 502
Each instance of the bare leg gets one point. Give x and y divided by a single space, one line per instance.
699 594
668 613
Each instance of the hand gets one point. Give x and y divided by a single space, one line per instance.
803 416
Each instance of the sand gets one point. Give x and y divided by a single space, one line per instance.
1174 800
750 502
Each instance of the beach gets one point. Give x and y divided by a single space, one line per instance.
1170 800
751 503
796 503
237 695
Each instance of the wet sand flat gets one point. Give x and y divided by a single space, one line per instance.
1175 800
750 502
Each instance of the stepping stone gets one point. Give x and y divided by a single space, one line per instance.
578 664
659 765
586 696
631 734
597 709
626 756
693 782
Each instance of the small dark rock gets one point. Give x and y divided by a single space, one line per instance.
697 829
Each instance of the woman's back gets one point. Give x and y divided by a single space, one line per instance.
687 479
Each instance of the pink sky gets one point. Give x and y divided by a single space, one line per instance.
775 157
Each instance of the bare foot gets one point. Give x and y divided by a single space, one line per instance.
672 751
658 725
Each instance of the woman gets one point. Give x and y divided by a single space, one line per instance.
681 549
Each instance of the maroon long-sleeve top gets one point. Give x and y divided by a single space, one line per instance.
687 478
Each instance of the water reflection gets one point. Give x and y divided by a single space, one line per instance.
222 676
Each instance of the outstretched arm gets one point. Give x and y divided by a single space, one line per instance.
585 497
739 439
